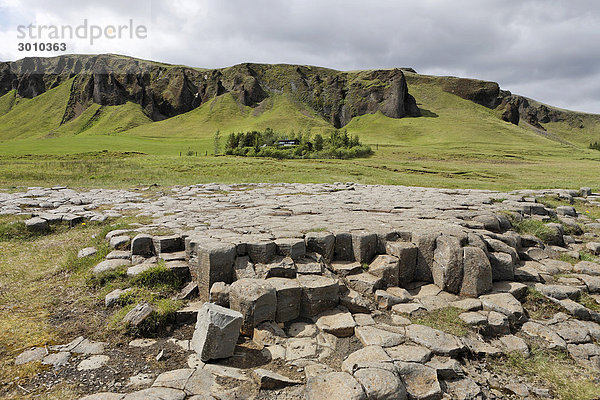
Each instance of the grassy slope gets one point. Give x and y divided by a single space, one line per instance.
225 114
457 144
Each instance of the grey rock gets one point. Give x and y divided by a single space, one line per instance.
517 289
503 267
587 267
104 396
156 393
477 273
261 251
319 293
216 333
381 384
407 255
367 357
118 255
365 283
57 359
386 299
37 225
462 389
497 324
426 243
255 299
291 247
446 367
243 268
168 244
268 334
92 363
138 314
593 247
322 243
346 268
334 386
289 294
489 222
281 268
175 379
35 354
343 250
386 267
409 353
219 294
538 330
438 342
109 265
473 319
268 380
112 298
447 267
120 242
87 252
373 336
364 246
421 381
298 348
142 245
212 262
514 344
355 302
336 322
504 303
558 291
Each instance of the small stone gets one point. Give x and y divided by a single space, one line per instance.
94 362
87 252
37 225
269 380
409 353
142 343
372 336
35 354
138 314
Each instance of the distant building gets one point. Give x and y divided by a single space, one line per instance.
288 142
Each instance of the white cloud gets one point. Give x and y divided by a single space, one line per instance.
544 49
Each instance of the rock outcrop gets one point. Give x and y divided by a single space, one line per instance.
166 90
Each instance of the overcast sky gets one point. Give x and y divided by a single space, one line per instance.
548 50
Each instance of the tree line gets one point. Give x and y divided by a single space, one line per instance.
269 143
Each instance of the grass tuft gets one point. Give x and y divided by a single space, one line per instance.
538 307
552 368
158 277
446 320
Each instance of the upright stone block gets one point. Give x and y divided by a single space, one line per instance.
364 245
168 244
142 245
425 252
217 332
212 261
477 273
447 268
255 299
289 294
322 243
387 268
343 247
261 251
503 267
319 293
291 247
407 254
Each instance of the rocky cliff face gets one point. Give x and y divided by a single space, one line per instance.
513 108
166 90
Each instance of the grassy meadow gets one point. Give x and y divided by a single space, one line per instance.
456 143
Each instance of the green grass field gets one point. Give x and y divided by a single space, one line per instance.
456 143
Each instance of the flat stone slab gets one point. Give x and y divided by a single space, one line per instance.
438 342
94 362
373 336
336 322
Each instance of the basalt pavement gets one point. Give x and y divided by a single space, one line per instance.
333 282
